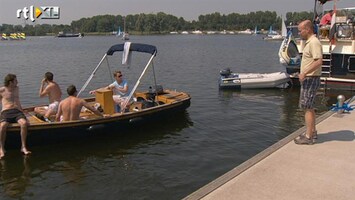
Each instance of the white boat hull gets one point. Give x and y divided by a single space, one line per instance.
254 80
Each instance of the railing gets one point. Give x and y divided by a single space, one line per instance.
326 66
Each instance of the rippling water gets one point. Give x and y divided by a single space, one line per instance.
167 159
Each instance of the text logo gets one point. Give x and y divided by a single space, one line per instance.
43 12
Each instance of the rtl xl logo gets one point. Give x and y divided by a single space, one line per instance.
43 12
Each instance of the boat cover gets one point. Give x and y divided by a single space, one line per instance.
144 48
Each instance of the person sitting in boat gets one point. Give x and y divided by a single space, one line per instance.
12 112
324 24
52 90
326 19
69 109
120 89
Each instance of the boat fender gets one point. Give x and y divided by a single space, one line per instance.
96 127
136 119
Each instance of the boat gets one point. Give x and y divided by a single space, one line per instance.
230 80
197 32
70 35
256 31
4 37
338 69
125 35
118 32
273 35
246 32
146 105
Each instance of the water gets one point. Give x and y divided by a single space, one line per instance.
168 159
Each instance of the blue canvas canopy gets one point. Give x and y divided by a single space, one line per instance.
144 48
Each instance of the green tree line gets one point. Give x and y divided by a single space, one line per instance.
162 23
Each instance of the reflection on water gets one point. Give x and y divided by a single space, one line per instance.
52 167
15 176
285 99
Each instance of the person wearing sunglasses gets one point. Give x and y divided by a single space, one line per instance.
120 90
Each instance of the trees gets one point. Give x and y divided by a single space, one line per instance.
161 23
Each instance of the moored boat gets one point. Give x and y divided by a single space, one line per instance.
338 69
273 35
140 106
69 35
228 79
125 35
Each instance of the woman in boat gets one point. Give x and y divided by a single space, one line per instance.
120 89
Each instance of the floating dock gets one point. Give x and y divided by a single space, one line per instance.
324 170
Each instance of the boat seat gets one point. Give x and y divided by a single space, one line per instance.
32 119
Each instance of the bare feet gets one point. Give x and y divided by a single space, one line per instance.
25 151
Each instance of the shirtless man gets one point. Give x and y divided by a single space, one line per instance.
11 113
52 90
69 109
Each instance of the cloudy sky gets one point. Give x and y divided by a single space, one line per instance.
188 9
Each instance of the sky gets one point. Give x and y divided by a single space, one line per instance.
188 9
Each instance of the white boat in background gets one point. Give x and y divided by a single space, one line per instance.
197 32
231 80
273 35
118 32
246 32
125 35
185 33
211 32
223 32
256 30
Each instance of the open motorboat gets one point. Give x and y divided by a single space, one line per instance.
338 44
141 106
70 35
228 79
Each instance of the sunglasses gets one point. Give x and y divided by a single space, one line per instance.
119 76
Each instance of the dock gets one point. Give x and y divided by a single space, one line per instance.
285 170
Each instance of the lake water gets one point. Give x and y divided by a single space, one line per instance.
170 158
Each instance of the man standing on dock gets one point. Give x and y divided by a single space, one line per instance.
309 77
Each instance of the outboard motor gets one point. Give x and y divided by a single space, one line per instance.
152 93
225 73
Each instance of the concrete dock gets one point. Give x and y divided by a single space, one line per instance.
324 170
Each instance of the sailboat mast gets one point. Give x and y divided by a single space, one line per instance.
124 24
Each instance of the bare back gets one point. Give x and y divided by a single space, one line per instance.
9 98
70 108
53 91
